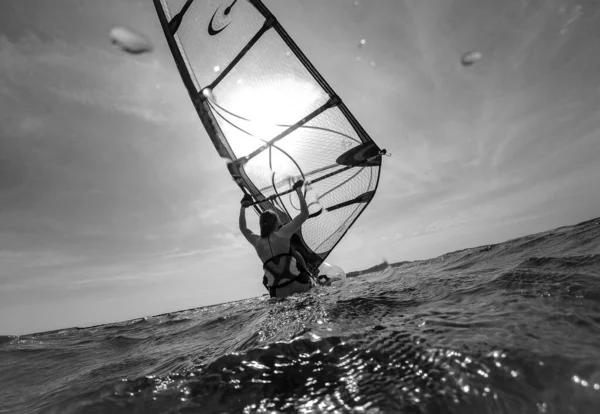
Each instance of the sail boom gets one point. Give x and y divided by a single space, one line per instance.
323 177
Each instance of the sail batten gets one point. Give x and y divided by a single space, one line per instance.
332 102
175 22
269 112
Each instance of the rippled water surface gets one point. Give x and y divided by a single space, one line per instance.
507 328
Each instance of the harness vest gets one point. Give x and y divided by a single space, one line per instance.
282 270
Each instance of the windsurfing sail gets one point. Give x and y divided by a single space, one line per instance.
272 116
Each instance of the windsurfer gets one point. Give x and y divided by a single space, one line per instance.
285 269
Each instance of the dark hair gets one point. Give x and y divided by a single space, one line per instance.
269 222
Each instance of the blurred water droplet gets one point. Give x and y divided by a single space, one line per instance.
373 63
239 81
356 2
470 58
362 43
130 41
331 275
358 58
288 53
217 68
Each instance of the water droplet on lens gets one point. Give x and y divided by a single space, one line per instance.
129 40
217 68
362 43
470 58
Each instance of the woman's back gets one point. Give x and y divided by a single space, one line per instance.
285 270
272 245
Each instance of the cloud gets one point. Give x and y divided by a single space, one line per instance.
83 74
75 174
34 261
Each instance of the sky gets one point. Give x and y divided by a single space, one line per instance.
114 204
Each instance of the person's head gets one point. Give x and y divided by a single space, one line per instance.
269 222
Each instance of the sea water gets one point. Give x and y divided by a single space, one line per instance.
506 328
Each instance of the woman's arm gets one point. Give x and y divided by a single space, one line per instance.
293 226
298 258
251 237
